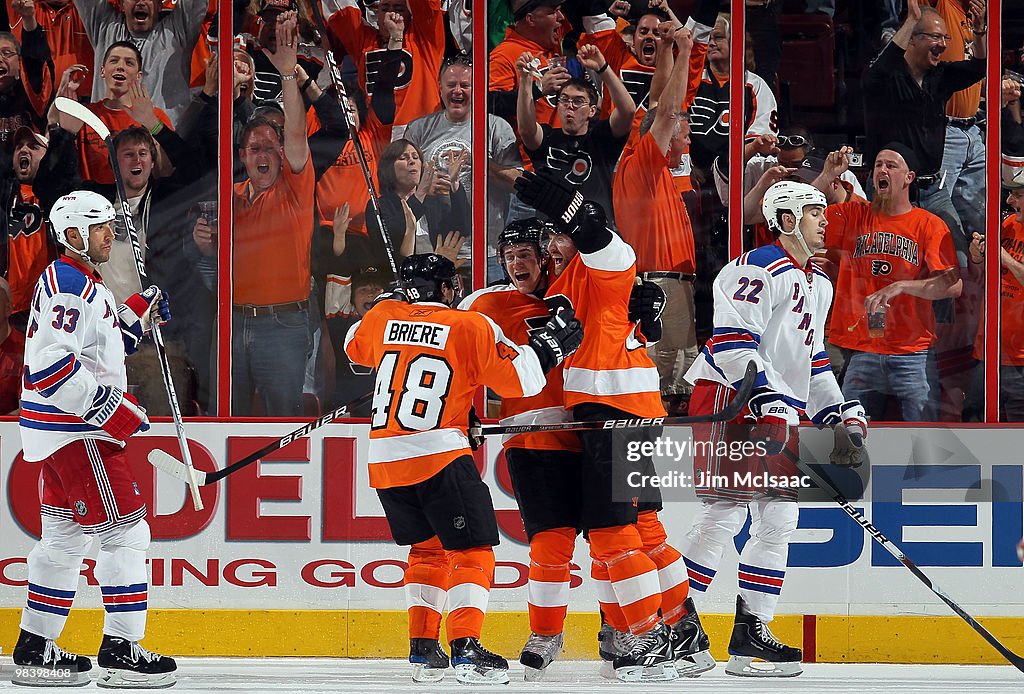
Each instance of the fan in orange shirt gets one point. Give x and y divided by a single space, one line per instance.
895 259
431 360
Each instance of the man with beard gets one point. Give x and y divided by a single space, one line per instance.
895 259
165 40
580 152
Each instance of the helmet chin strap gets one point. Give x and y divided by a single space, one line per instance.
798 214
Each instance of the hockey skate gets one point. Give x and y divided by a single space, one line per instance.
39 662
612 643
691 644
539 652
127 665
474 664
753 640
651 658
429 661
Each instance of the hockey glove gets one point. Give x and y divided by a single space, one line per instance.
552 197
850 414
475 431
136 314
560 337
395 294
774 417
849 448
116 412
646 302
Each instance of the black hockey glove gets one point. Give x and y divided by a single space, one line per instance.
394 294
560 337
552 197
646 302
475 430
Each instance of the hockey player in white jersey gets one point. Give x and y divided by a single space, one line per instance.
75 418
770 306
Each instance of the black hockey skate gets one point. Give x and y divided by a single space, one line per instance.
612 643
753 640
39 662
474 664
539 652
690 644
650 660
429 661
127 665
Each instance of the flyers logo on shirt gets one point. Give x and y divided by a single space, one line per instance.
373 66
881 267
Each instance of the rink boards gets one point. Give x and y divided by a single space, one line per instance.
292 556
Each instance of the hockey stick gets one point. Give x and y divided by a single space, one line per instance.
826 486
77 110
343 101
165 462
730 412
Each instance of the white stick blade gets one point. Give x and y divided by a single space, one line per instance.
82 113
165 462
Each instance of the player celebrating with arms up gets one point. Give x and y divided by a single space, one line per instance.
770 306
430 361
75 418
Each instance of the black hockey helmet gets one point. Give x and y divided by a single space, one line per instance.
529 230
423 275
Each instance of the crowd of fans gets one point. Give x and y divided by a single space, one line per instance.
628 101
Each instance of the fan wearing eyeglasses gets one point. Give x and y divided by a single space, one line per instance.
583 151
21 79
906 90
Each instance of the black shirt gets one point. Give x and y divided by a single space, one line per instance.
586 162
898 109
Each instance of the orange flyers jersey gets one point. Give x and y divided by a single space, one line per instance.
636 77
876 250
29 250
611 367
430 361
1011 316
415 87
517 314
651 215
344 181
66 36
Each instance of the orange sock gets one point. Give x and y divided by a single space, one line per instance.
606 596
550 554
672 576
472 575
426 588
633 575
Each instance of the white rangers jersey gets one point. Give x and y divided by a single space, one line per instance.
73 346
772 311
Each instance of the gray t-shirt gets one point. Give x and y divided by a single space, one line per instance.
437 137
166 50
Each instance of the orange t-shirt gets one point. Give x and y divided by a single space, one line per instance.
430 362
415 89
517 314
271 236
611 367
650 213
94 163
875 251
502 75
1011 310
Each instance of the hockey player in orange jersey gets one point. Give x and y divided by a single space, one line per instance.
430 361
641 579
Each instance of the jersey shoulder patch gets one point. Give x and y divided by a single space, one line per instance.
62 278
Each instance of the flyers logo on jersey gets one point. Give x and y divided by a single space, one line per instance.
880 267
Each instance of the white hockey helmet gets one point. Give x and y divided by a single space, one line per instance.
79 210
792 197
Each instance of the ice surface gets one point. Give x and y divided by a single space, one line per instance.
315 675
